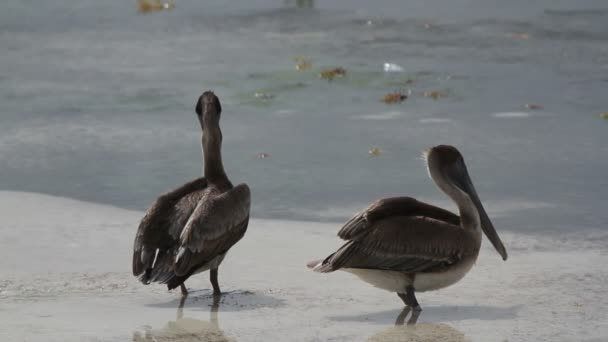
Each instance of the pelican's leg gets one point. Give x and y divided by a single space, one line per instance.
410 298
403 298
182 287
180 308
213 278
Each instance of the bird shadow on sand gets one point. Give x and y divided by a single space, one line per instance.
229 301
436 314
417 332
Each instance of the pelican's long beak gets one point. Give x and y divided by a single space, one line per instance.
486 224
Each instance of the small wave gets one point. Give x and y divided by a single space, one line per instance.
381 116
285 112
577 13
435 120
511 115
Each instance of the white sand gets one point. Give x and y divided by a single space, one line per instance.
65 276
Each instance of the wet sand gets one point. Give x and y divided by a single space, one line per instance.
65 268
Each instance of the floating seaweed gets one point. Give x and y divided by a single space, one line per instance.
395 97
375 152
434 94
303 63
333 73
145 6
532 106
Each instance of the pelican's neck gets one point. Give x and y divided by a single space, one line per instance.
212 154
469 216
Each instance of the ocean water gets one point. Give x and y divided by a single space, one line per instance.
97 102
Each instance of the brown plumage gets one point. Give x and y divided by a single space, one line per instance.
190 229
403 245
397 234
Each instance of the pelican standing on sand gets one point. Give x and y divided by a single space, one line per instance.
403 245
190 229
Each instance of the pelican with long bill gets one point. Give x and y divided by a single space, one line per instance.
403 245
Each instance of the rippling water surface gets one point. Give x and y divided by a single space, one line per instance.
97 102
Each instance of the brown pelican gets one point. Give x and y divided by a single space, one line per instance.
403 245
190 229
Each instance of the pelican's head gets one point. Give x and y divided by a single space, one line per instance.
208 109
443 157
447 168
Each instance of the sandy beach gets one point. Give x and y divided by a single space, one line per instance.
65 268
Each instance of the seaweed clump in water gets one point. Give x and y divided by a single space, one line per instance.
303 63
145 6
435 94
532 106
395 97
375 152
333 73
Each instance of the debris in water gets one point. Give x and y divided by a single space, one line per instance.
532 106
331 74
395 97
303 63
263 96
435 94
392 67
604 115
262 155
375 151
145 6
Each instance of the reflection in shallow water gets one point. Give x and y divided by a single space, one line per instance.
230 301
187 329
413 332
403 314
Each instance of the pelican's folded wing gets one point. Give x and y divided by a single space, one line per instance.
154 229
216 224
386 208
406 244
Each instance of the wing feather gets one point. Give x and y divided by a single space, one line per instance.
153 233
216 224
391 207
404 243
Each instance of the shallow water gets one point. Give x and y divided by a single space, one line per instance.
96 102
